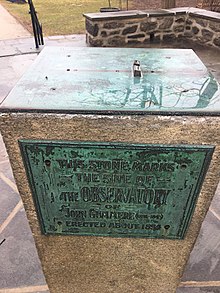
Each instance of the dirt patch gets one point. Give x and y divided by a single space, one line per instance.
156 4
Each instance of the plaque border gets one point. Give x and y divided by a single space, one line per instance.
186 219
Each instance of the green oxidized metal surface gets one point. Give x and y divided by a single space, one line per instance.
115 189
100 80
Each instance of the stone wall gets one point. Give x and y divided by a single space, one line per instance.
204 30
143 27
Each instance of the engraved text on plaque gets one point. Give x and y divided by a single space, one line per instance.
115 189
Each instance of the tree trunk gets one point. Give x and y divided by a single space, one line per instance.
168 4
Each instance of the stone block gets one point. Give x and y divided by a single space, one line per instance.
189 22
95 42
113 25
202 22
216 42
103 34
112 33
207 35
167 23
215 26
134 42
148 26
169 37
195 30
180 20
179 28
129 30
92 29
188 34
137 36
116 41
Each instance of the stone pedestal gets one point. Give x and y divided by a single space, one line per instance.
89 96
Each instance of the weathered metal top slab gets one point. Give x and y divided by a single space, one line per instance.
115 189
100 80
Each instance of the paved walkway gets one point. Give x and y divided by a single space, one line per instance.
20 269
10 28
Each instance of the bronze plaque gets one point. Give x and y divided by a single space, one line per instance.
115 189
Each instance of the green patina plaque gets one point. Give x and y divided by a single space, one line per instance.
115 189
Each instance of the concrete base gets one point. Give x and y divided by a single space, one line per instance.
96 264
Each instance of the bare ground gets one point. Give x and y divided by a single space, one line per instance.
156 4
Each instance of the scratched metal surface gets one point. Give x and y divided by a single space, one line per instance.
115 190
100 79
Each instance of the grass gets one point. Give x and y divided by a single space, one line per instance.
58 17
